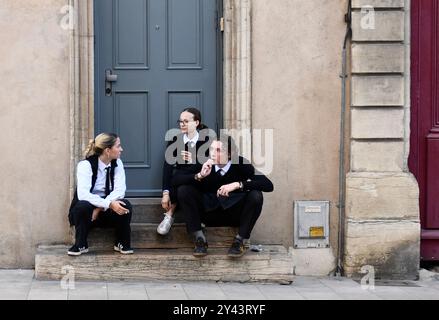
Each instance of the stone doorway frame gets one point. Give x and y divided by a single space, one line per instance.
236 73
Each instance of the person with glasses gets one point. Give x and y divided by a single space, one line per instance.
188 141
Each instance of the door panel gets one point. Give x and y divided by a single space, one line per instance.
164 54
425 108
432 183
424 141
184 20
131 34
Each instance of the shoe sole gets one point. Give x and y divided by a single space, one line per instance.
162 233
235 255
75 254
198 255
122 252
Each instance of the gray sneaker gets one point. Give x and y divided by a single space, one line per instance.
165 225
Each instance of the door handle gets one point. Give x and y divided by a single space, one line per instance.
109 79
109 76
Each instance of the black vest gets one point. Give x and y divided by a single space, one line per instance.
94 162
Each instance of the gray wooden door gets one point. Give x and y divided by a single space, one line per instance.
164 54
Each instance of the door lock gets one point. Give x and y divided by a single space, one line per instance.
109 79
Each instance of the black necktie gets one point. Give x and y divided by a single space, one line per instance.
107 181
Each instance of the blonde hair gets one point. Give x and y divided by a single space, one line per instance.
100 143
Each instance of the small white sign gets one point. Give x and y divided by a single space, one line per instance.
313 209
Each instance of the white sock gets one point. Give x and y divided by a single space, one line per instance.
199 234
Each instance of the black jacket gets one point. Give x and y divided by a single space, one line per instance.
182 167
240 172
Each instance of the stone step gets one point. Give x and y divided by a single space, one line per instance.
272 264
149 210
145 236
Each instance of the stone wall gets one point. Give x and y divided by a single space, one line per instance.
296 90
382 211
34 117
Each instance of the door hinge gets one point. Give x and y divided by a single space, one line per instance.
221 24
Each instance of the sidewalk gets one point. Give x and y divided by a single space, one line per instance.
21 285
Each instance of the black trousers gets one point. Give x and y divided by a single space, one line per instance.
173 195
82 213
244 214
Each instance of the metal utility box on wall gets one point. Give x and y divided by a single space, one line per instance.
311 224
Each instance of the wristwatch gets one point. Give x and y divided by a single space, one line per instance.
197 177
241 186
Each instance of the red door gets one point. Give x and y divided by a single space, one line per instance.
424 142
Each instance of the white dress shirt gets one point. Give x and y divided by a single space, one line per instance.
192 141
224 169
84 175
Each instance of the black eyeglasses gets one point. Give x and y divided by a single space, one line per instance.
180 122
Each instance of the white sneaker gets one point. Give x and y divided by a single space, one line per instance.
165 225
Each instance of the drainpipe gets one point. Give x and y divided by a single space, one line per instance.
341 180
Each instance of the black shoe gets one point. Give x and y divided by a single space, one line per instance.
237 249
76 251
200 248
123 249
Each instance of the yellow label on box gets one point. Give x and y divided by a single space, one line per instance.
316 232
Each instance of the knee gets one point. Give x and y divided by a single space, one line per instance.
127 205
83 207
123 218
255 197
184 192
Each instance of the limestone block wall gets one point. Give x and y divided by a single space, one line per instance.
382 212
